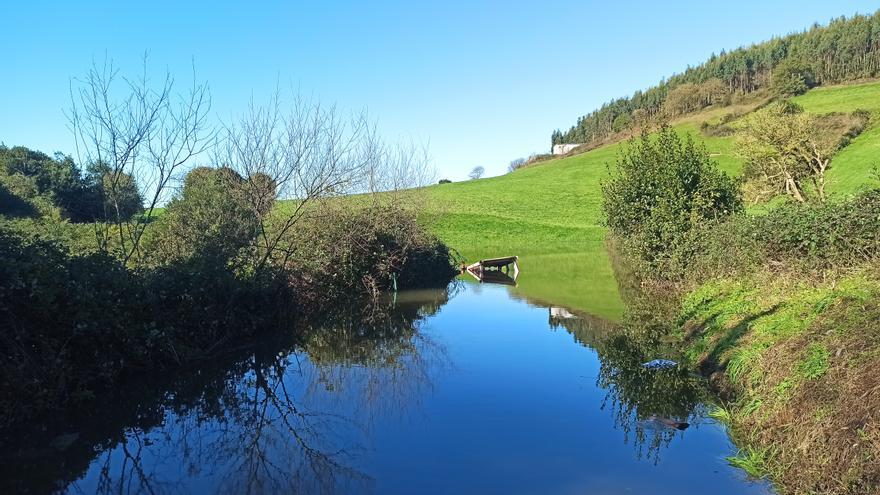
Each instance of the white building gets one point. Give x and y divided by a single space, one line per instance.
561 149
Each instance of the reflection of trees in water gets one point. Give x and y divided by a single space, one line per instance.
644 402
256 422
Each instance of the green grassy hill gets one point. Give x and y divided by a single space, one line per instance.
550 214
851 168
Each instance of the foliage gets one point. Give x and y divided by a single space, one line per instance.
366 250
811 238
834 234
689 98
118 193
74 324
444 181
792 77
846 49
787 148
211 219
36 184
661 189
516 164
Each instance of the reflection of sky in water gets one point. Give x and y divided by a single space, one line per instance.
488 397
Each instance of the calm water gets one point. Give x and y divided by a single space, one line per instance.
469 390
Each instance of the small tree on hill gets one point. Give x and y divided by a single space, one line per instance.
785 147
791 78
477 172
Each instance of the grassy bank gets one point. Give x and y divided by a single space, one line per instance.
799 362
782 314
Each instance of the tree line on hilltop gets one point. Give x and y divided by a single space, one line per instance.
846 49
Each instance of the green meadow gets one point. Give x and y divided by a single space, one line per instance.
852 168
550 214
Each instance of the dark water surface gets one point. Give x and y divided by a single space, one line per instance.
461 391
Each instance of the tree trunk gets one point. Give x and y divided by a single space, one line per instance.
794 190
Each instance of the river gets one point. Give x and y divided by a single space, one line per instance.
471 389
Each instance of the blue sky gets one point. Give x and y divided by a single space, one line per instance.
481 82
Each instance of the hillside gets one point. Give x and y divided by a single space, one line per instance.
550 214
845 50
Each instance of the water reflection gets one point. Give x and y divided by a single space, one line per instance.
462 390
267 420
650 406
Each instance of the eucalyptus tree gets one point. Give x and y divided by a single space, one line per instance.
846 49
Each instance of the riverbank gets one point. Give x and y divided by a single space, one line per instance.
79 322
797 362
780 312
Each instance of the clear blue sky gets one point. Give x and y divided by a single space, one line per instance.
482 82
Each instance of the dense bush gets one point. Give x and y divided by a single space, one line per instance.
35 184
833 234
811 237
791 78
661 189
71 324
210 219
345 252
75 320
111 196
86 300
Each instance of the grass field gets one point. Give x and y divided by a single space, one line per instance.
550 214
852 168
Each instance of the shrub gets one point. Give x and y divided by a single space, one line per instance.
56 187
211 219
798 236
120 198
73 324
351 252
661 189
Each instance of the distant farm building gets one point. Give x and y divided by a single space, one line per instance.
561 149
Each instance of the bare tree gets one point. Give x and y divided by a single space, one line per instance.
137 130
309 154
476 172
516 164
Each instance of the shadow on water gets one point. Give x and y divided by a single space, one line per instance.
260 420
